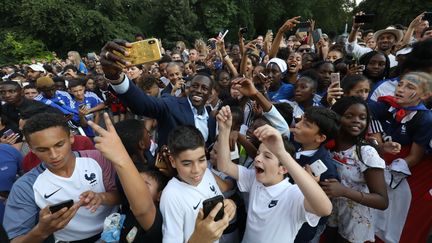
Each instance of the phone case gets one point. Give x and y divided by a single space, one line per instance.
143 52
335 77
56 207
210 203
8 133
318 167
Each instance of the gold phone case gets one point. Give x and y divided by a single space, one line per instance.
143 52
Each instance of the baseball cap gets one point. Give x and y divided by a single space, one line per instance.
37 68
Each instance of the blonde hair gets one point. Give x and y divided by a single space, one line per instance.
76 60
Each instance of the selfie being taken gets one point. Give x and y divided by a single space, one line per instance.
203 121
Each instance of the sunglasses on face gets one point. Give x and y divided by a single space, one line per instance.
304 50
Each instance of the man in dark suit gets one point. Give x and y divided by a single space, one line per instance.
169 111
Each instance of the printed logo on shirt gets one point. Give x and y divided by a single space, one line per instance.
213 188
91 178
195 207
49 195
273 203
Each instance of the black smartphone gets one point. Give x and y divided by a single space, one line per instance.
8 132
304 25
212 44
365 18
427 16
58 206
243 30
210 203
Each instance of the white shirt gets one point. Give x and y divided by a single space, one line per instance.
200 120
50 189
387 87
277 121
275 213
180 204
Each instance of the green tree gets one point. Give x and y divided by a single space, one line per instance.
18 48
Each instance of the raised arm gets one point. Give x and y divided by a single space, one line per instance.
137 192
288 25
227 60
224 163
315 200
408 34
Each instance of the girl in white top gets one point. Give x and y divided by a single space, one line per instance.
277 209
361 170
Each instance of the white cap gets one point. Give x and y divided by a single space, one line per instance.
37 68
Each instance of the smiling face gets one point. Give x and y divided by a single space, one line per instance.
174 74
190 165
354 120
268 170
294 62
386 41
200 90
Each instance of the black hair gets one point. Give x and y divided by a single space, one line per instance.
131 133
310 80
184 138
44 121
76 82
285 110
161 180
206 75
313 75
420 58
326 120
237 116
58 79
219 72
146 82
364 60
70 66
283 53
29 86
165 59
350 81
139 35
424 31
13 83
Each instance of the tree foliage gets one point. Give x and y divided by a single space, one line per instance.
85 25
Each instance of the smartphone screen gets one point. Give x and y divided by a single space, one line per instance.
365 18
316 35
303 25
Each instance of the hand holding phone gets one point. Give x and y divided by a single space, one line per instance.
318 167
8 133
58 206
210 203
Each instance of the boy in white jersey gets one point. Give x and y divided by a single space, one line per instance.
85 177
277 209
182 198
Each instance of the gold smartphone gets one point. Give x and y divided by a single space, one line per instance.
141 52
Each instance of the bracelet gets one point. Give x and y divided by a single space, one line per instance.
116 81
362 197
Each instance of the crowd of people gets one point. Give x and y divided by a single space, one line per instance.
283 138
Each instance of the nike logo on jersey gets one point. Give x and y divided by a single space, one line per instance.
212 188
49 195
195 207
272 203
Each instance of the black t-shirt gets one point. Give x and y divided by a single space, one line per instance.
154 234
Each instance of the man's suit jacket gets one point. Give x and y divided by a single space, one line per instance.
169 111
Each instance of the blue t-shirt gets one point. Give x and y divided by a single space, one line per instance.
90 100
415 127
285 92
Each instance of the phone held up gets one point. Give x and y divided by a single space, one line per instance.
143 51
365 18
210 203
335 78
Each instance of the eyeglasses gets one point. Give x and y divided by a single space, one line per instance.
304 50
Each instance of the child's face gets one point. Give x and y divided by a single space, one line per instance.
361 89
268 170
408 93
376 66
30 93
354 120
304 91
174 74
307 133
78 92
191 165
152 186
294 62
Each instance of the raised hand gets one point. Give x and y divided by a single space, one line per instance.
224 119
289 24
245 86
271 138
108 142
110 61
